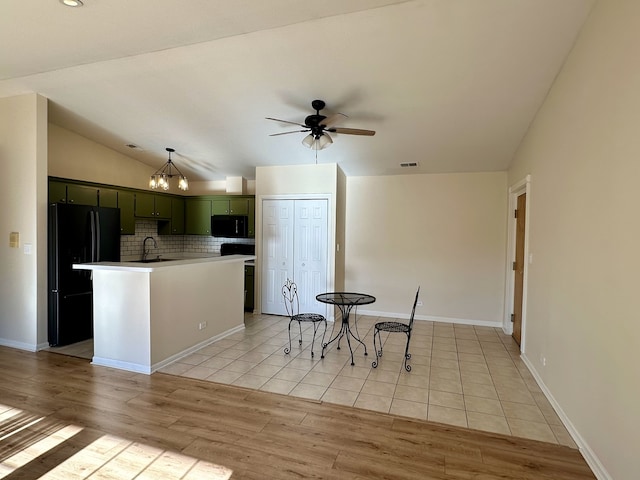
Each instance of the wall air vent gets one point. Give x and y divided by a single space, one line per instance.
409 164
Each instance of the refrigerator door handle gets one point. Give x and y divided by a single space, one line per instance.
97 221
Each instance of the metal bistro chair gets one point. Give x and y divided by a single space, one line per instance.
395 327
291 303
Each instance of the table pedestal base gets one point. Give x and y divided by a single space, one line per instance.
345 330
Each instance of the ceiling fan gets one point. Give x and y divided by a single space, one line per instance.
319 127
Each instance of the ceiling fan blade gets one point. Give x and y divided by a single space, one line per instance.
287 133
352 131
332 120
285 121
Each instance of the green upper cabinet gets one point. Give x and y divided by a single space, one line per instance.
57 192
239 206
150 205
62 192
220 207
251 230
126 204
175 226
108 197
230 206
197 216
82 195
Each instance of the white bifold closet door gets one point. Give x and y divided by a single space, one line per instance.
294 245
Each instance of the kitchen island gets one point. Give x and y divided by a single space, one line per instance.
148 315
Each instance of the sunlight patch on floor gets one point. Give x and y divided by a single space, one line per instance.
25 437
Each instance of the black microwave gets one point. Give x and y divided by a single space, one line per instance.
230 226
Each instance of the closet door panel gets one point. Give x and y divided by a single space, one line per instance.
310 253
277 248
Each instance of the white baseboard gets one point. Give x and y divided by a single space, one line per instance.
30 347
194 348
430 318
590 457
149 369
130 367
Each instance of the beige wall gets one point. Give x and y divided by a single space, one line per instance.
76 157
297 181
583 154
446 233
23 277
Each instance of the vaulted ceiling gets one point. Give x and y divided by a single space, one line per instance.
449 84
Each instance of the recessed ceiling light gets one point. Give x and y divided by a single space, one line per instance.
72 3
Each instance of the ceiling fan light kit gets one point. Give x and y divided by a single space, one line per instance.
160 179
72 3
319 127
317 143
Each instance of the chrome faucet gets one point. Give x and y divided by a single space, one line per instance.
145 252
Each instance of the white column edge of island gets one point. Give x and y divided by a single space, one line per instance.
148 315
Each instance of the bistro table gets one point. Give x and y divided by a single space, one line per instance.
345 301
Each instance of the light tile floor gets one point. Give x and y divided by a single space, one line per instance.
461 375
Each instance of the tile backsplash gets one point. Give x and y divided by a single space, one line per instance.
131 245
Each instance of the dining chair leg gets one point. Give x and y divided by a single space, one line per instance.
407 355
377 352
288 350
300 327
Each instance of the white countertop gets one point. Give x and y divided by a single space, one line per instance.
154 266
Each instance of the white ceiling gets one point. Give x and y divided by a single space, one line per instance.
450 84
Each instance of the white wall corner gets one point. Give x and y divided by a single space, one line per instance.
589 455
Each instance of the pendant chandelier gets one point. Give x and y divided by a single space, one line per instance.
160 179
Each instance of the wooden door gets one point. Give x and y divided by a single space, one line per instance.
518 268
277 253
310 253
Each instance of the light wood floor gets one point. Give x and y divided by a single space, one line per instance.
62 418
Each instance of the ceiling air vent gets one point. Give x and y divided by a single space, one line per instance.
133 146
409 164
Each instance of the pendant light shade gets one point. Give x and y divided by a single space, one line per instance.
160 179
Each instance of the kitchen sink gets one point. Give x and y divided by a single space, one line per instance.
153 260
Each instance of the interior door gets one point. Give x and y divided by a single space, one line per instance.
518 268
277 253
310 253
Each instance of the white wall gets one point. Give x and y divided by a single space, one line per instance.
23 196
446 233
583 154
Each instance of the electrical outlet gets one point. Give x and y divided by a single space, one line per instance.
543 360
202 325
419 304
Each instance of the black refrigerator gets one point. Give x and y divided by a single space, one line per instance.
77 234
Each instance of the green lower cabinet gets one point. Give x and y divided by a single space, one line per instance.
248 288
197 219
126 204
175 226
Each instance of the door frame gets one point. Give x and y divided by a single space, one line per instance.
331 242
515 190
